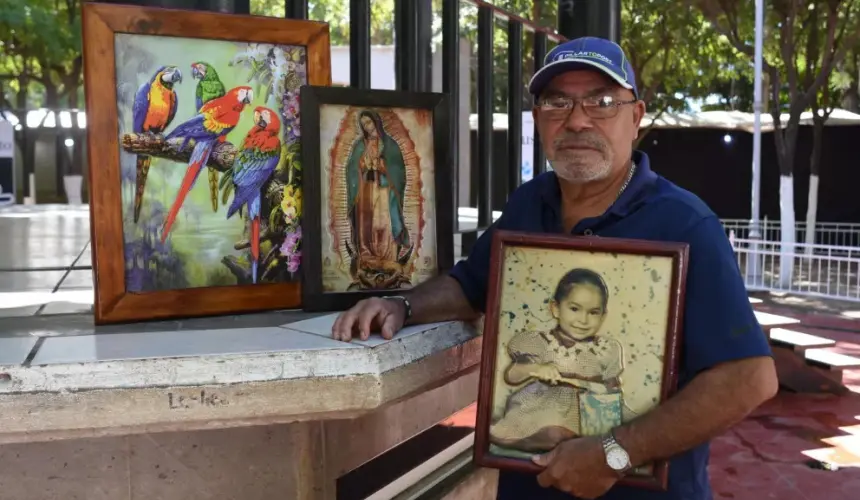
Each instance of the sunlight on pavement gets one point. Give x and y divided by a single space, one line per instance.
11 300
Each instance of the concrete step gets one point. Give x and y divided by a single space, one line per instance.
829 360
798 341
808 363
769 320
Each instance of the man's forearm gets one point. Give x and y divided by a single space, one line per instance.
711 403
440 299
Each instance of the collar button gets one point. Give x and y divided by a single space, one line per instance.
588 232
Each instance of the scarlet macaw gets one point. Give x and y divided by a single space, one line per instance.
216 119
154 107
253 166
209 87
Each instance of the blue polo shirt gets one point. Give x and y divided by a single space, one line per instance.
719 324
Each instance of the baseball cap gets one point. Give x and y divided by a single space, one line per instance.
585 53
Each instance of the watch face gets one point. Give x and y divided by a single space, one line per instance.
617 459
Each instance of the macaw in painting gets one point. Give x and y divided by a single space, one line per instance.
153 109
216 119
253 166
209 87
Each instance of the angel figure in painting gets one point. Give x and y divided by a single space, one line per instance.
573 373
380 244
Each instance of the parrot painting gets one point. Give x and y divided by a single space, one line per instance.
154 107
209 87
253 166
216 119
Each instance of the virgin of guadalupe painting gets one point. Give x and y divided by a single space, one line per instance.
376 186
378 164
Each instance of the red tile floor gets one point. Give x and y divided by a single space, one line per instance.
767 455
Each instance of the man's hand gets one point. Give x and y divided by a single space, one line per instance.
577 466
371 314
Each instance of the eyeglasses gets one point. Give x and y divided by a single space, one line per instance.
559 108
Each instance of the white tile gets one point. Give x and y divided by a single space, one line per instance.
321 325
14 350
184 343
62 307
17 312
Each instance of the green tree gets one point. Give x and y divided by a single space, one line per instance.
804 41
41 53
677 58
336 13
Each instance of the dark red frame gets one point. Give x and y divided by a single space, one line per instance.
678 252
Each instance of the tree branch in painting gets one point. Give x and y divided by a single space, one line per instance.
221 159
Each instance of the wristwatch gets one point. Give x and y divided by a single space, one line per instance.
406 304
616 457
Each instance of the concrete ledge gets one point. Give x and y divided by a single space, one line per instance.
332 380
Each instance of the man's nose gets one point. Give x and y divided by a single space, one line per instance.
578 120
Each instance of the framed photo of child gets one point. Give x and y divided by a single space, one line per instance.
581 334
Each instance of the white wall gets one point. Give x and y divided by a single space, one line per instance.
382 74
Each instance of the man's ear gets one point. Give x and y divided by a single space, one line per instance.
638 114
639 111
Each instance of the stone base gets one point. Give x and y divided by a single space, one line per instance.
297 461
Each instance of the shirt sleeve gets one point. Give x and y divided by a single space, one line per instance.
472 273
527 347
719 322
613 359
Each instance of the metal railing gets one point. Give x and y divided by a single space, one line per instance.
828 271
839 234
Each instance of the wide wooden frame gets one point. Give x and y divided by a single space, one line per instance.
312 98
678 252
100 23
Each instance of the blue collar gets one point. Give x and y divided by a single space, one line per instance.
641 183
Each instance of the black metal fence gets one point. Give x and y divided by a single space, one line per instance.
413 68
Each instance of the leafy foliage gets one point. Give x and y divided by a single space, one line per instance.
804 42
40 53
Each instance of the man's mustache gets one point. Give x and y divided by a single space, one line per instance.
580 141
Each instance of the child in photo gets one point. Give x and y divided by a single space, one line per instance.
572 372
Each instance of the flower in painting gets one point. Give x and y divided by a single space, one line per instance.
293 262
291 249
290 113
291 204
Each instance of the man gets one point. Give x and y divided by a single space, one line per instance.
588 113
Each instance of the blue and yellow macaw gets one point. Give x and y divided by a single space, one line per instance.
154 108
216 119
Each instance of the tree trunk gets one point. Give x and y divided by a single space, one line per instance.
786 141
814 167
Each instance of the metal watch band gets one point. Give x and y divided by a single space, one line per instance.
406 304
609 443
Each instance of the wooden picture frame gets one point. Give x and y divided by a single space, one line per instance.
415 159
202 262
578 313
